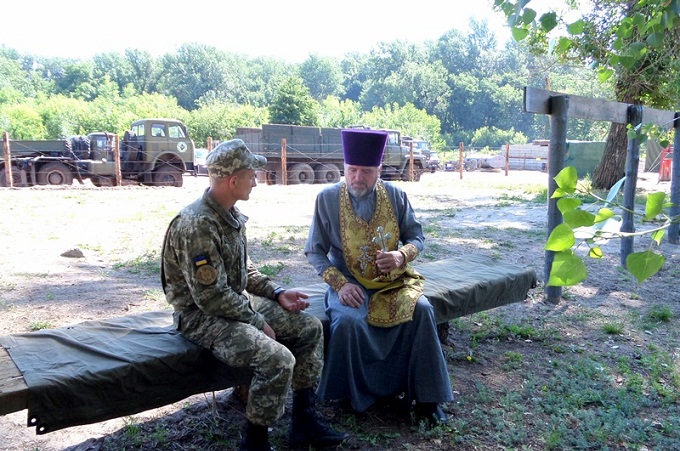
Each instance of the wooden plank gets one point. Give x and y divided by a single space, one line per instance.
13 388
537 100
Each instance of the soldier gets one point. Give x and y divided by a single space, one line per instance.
223 303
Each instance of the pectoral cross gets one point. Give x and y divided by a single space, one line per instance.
381 238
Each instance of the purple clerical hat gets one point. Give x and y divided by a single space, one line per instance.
363 147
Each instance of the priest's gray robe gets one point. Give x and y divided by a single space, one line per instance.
363 362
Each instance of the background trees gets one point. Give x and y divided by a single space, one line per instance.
459 88
632 44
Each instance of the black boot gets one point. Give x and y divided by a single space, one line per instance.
431 412
255 438
306 429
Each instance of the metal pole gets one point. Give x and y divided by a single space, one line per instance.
674 229
632 163
461 160
559 107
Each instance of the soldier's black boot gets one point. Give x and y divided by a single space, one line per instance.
255 438
306 429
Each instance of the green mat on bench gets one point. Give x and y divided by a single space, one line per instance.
98 370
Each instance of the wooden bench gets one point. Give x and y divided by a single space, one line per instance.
98 370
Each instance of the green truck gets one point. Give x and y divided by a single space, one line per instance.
314 154
153 151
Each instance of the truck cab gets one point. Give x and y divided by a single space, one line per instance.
160 150
398 156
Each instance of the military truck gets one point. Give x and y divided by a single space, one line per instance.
315 155
431 158
153 151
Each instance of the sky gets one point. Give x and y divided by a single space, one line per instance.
290 30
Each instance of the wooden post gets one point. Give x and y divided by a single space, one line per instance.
410 162
632 163
507 158
674 229
9 180
284 165
116 158
559 108
461 159
210 144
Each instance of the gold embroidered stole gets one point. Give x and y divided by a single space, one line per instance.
398 291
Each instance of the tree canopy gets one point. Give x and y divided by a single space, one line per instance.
446 91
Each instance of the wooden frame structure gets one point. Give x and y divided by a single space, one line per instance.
560 107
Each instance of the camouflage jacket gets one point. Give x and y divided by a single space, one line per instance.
205 263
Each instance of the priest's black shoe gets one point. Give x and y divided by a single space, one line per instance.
431 412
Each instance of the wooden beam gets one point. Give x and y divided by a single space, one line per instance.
13 388
537 101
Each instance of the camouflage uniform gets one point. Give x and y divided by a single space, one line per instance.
222 301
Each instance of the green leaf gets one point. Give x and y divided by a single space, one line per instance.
559 192
657 236
604 74
563 44
528 16
579 218
568 204
645 264
567 270
625 29
596 252
561 238
655 40
567 179
654 206
614 190
519 33
603 214
548 21
576 27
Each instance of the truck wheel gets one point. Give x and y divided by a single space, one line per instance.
102 181
168 176
55 174
271 178
16 177
327 173
300 173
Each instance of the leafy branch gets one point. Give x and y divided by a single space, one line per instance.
584 228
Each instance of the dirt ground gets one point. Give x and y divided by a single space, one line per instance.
45 282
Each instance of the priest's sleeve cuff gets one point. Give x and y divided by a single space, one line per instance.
410 252
333 277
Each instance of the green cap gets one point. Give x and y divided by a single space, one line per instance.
231 156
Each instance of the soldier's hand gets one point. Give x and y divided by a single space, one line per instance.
293 300
268 331
351 295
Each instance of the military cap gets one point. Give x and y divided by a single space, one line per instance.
231 156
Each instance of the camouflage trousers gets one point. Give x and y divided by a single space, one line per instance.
294 360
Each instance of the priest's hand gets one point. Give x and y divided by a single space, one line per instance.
389 261
351 295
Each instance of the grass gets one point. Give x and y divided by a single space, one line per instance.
580 375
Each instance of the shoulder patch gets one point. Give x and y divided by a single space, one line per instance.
206 274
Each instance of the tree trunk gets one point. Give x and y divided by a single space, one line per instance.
613 164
